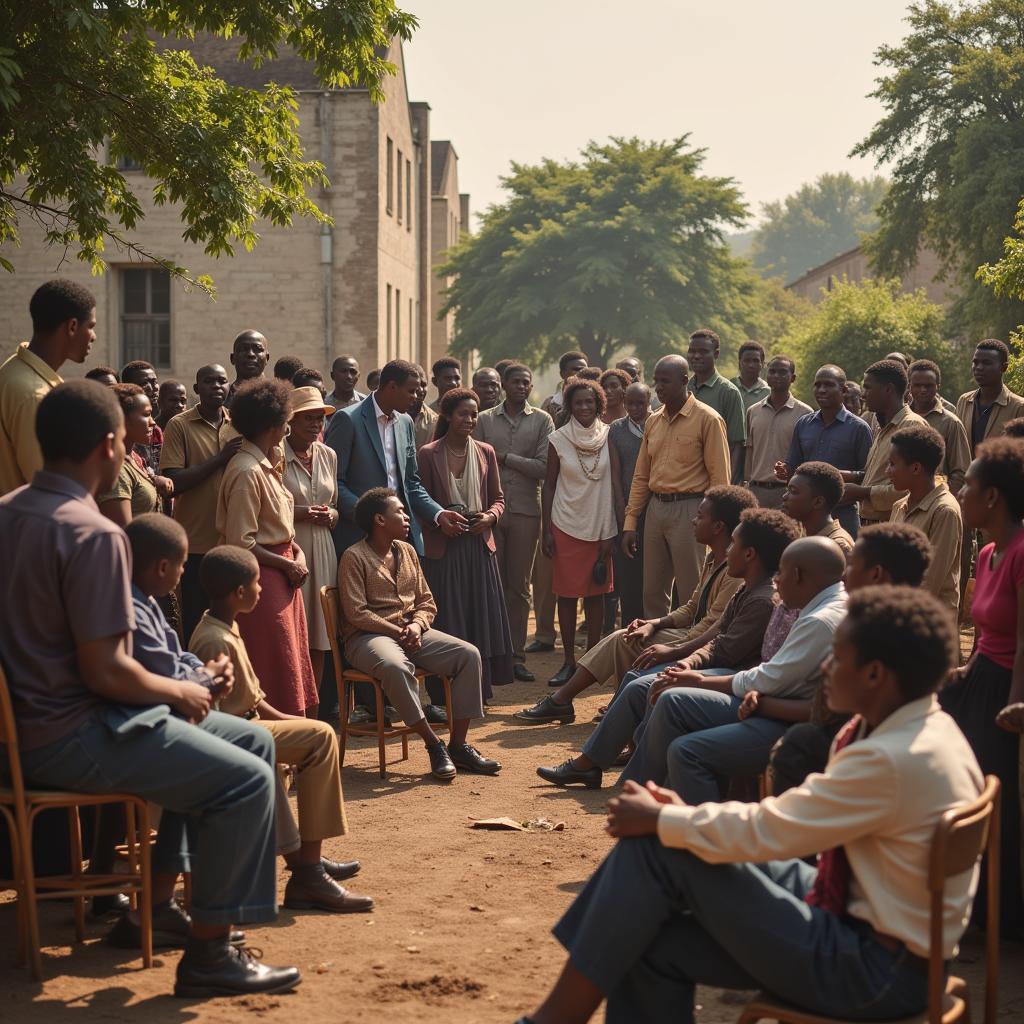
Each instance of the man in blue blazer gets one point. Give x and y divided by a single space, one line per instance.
376 446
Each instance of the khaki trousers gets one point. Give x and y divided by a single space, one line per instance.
543 598
670 553
516 538
311 748
768 497
613 656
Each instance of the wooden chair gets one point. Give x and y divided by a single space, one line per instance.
346 676
961 837
20 806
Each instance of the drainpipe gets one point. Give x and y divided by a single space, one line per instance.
326 231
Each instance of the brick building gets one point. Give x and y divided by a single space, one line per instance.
364 286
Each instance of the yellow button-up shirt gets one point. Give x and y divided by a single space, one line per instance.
938 517
254 506
25 380
211 639
883 494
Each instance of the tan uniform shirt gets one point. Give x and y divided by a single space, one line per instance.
769 432
686 454
188 441
938 517
424 426
25 380
834 531
254 506
883 495
211 639
523 441
721 594
1008 407
958 445
880 798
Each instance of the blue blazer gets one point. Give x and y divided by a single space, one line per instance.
353 434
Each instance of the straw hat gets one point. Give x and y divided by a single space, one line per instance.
310 400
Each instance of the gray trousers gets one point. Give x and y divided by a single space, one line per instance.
653 923
385 659
516 538
543 598
215 783
767 497
670 553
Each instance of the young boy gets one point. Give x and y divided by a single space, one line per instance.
171 400
914 458
387 610
811 496
663 639
159 548
758 543
674 903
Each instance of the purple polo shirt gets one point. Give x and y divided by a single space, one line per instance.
67 581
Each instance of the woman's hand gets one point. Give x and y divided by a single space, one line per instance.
164 486
635 813
303 513
1011 718
548 544
483 523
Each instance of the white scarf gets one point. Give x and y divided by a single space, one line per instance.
588 441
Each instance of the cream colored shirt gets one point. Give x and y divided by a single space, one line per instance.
769 432
722 591
883 494
957 456
1008 406
214 637
880 798
938 517
834 531
254 506
25 380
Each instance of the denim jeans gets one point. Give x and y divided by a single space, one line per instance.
653 923
215 783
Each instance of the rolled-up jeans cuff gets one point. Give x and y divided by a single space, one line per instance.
251 914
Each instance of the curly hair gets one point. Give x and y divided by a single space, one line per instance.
999 463
446 363
920 443
373 503
227 568
708 335
624 378
136 366
260 405
752 346
568 357
901 549
995 345
825 480
91 407
926 366
729 503
590 373
57 302
450 400
286 367
574 384
98 373
1015 428
889 371
908 630
126 395
769 532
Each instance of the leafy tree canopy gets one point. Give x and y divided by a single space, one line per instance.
857 324
84 86
953 133
818 221
622 249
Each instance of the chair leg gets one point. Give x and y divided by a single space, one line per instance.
132 833
405 746
343 715
186 889
379 693
75 842
31 907
146 875
19 906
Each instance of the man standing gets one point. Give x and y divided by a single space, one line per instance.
424 419
569 364
834 435
173 399
633 367
707 385
770 425
925 400
519 434
143 375
684 452
985 411
345 374
885 388
63 327
487 387
198 444
748 381
250 354
446 374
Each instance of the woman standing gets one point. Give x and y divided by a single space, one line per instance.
614 382
134 494
458 470
579 517
256 511
311 476
984 694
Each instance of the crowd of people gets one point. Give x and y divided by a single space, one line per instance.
773 591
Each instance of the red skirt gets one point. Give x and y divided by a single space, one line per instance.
277 641
573 567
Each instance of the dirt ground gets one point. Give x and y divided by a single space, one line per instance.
462 926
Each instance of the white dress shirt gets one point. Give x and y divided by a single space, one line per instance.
386 429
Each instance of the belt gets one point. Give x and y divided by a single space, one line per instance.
769 485
681 496
871 522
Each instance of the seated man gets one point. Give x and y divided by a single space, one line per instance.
387 609
667 638
811 497
695 737
758 543
717 893
92 719
893 553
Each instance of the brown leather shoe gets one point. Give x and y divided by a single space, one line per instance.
311 888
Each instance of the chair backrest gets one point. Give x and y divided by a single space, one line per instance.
9 741
962 836
331 605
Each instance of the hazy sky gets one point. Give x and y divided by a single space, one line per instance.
775 91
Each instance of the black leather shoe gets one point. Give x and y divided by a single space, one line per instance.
441 765
104 906
547 710
565 774
360 715
521 673
563 675
171 926
538 647
468 758
217 969
340 870
435 714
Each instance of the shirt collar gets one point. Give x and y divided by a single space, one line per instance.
142 598
528 410
41 367
821 598
789 403
685 409
756 386
379 413
910 712
930 498
220 624
193 415
711 382
253 452
58 483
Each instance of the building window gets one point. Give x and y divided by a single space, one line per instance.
146 316
398 183
412 340
398 323
387 341
391 176
126 163
408 196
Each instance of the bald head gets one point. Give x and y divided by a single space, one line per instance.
809 565
673 364
249 355
211 369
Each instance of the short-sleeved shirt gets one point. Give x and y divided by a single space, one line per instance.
769 432
214 637
844 443
757 392
994 608
938 517
132 485
188 441
834 531
626 441
67 581
254 506
724 397
25 380
339 403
